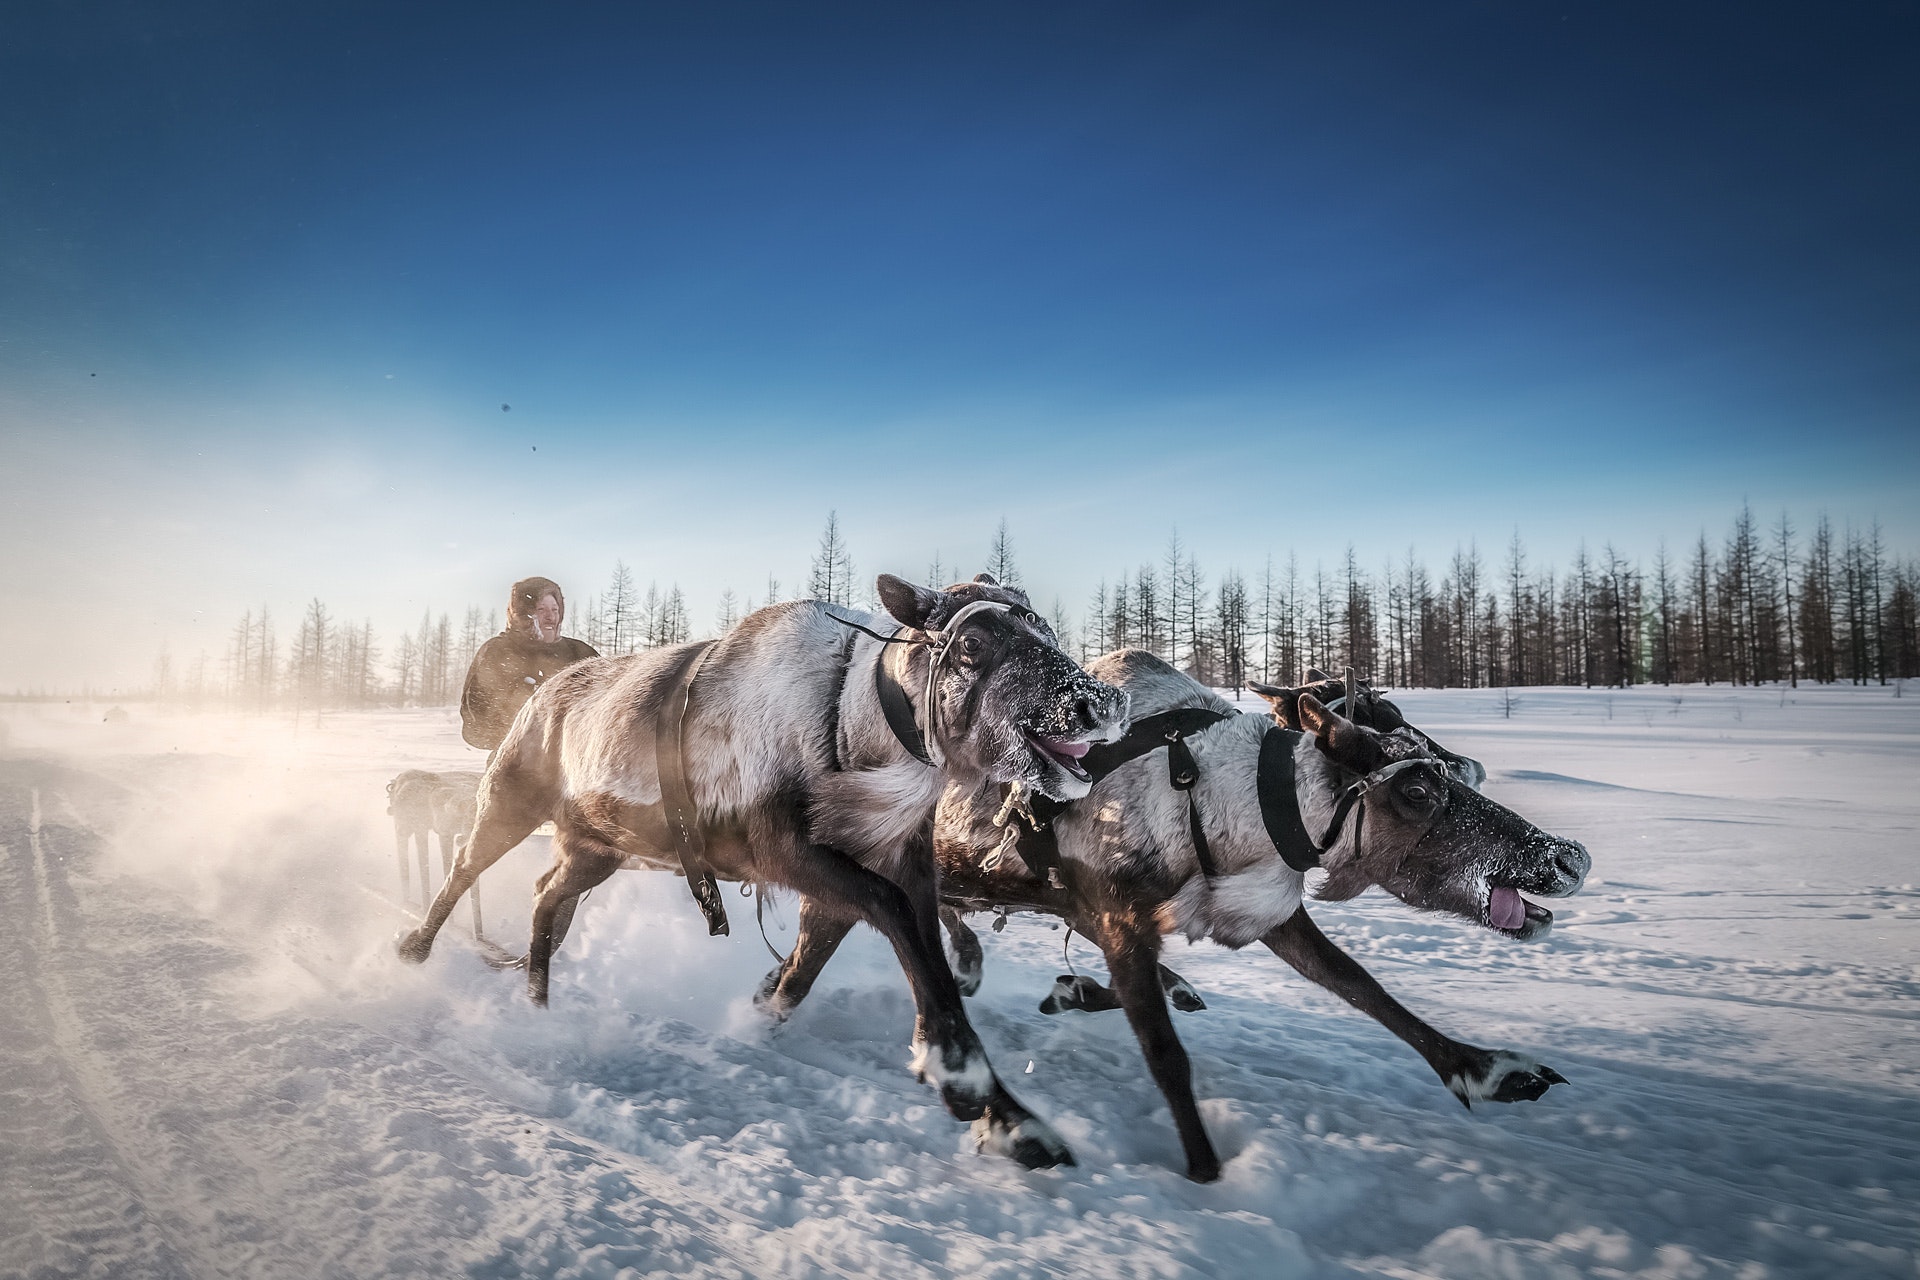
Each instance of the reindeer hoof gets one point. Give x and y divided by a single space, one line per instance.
1182 996
1077 991
414 947
1204 1172
768 999
1504 1077
1030 1141
968 978
964 1078
961 1104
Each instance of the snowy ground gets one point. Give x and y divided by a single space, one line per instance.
211 1065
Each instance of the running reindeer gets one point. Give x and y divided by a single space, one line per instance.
807 750
1203 821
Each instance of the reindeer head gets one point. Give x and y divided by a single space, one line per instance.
1425 836
1367 708
1008 705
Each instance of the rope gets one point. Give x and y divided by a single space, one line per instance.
895 639
759 918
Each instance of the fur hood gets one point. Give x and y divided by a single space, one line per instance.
524 598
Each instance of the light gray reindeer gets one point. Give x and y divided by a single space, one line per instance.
423 802
803 749
1203 822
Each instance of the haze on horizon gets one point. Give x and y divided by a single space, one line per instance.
390 309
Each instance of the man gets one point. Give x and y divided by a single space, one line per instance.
519 660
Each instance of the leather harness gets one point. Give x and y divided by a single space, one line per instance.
1273 781
676 798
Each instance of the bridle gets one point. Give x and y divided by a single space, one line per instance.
1303 855
918 728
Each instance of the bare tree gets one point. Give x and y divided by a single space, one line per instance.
1516 583
620 607
831 576
1000 557
1783 565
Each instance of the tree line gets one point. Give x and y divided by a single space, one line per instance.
1756 605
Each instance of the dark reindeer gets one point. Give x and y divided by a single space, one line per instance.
1124 868
799 750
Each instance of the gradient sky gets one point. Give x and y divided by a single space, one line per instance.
1285 277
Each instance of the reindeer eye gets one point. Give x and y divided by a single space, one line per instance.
970 646
1419 793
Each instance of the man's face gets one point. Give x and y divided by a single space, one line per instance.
546 618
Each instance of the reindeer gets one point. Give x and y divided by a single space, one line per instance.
423 802
807 750
1205 823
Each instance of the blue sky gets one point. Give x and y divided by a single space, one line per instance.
1282 278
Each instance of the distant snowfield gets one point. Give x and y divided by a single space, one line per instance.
211 1064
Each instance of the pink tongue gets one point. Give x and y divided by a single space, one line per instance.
1071 750
1506 909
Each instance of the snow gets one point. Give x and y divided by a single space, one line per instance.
212 1065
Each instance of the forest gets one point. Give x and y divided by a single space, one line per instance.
1760 605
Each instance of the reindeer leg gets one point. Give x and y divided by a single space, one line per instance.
820 934
1005 1126
947 1050
580 862
1133 959
511 806
1471 1073
400 850
421 837
968 960
563 920
473 897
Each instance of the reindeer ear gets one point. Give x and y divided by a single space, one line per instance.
1282 701
1315 676
910 605
1339 739
986 579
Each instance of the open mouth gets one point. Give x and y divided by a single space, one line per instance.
1064 752
1508 912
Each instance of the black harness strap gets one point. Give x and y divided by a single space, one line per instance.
1150 733
1183 772
676 799
1040 850
898 707
1280 803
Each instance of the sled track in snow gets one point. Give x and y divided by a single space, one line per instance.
107 1171
107 1203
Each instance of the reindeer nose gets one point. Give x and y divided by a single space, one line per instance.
1572 861
1083 713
